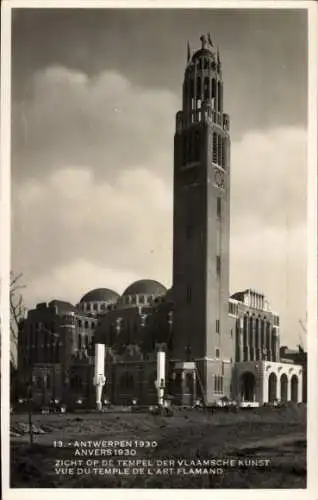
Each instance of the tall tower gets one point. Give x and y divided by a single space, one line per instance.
202 225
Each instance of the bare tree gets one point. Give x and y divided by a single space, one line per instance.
17 311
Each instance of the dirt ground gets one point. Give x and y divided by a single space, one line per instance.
267 447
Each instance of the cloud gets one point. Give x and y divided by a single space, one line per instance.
92 194
67 118
268 178
69 219
268 221
72 280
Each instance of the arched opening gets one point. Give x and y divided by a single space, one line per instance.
294 389
272 387
248 384
284 388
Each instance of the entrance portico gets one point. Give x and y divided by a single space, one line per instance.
267 381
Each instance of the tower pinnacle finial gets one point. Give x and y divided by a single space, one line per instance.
188 52
203 41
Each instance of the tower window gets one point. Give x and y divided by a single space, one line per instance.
213 88
223 152
214 150
188 294
219 150
218 265
219 97
217 326
217 353
218 207
206 88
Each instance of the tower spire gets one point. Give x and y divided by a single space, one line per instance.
210 40
218 56
188 52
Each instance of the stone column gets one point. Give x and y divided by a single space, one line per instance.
254 338
265 387
300 388
278 392
288 388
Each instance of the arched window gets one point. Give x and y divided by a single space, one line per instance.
223 152
215 145
199 87
213 93
219 150
206 87
245 326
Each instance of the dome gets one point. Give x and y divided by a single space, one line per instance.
146 287
100 294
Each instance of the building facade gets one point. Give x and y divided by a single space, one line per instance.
216 346
201 229
56 354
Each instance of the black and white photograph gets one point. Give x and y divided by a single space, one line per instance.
158 325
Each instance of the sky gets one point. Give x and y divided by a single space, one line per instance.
94 97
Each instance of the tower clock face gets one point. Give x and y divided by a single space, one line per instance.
219 178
